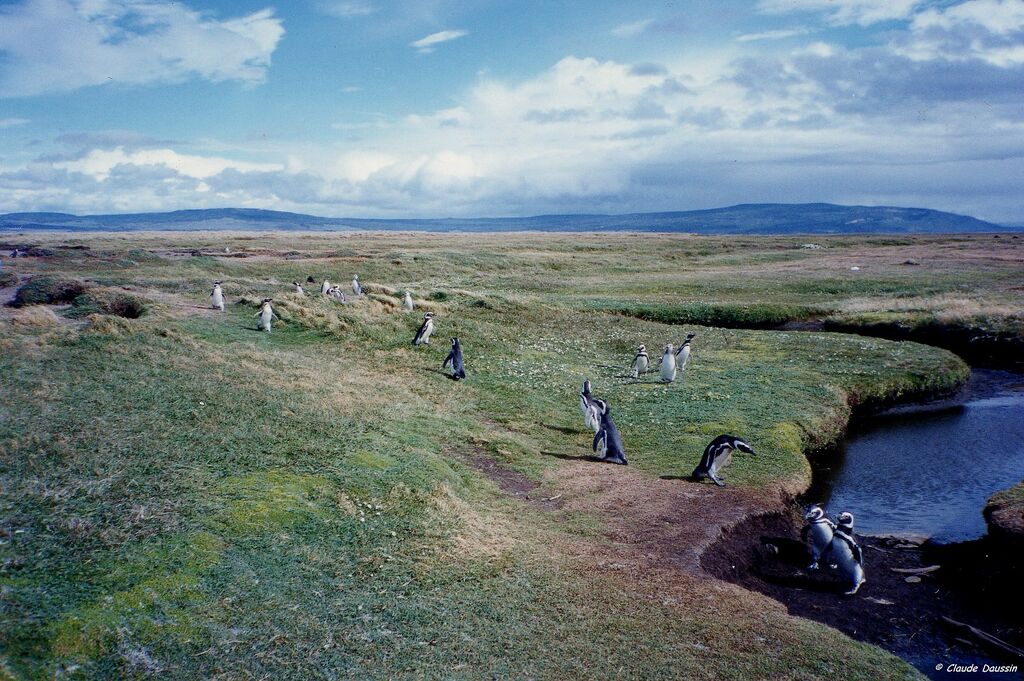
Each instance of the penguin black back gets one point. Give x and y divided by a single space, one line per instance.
716 456
607 440
455 359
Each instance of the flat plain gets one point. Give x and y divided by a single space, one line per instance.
182 494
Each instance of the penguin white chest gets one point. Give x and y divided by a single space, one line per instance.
408 302
640 364
218 298
722 460
683 357
668 368
266 317
821 536
427 330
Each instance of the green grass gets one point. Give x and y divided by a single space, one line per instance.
183 494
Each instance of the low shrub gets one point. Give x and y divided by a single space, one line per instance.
48 290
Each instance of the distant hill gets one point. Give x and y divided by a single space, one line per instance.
754 218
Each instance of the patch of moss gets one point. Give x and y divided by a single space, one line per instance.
47 290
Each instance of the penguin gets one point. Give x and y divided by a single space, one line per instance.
426 328
718 455
217 297
844 554
310 280
817 533
668 365
455 359
266 315
336 293
325 287
356 288
640 361
407 303
298 288
683 353
607 441
588 407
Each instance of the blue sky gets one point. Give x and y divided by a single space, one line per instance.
479 108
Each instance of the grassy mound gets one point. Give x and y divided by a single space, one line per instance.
108 301
48 290
1004 514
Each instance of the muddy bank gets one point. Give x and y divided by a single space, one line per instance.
973 584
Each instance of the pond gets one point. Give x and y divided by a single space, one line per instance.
927 470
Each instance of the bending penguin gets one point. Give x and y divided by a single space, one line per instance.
718 455
607 441
407 303
588 406
640 361
298 288
217 297
817 533
455 359
683 353
356 288
668 365
426 328
844 553
266 315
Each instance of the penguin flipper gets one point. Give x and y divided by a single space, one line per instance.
804 532
447 360
598 436
858 555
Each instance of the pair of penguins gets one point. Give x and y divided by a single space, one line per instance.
607 444
672 361
833 542
454 358
266 312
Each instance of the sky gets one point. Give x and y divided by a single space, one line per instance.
437 108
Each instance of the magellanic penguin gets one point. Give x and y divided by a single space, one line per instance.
844 553
407 303
298 288
588 406
356 288
455 359
718 455
668 364
817 533
683 353
266 315
640 361
426 328
336 293
325 287
607 441
217 297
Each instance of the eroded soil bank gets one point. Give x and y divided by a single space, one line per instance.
975 584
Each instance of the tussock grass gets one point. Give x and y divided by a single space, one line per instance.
185 494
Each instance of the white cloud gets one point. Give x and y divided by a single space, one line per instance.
426 44
347 9
987 30
780 34
100 163
844 12
12 122
64 45
632 29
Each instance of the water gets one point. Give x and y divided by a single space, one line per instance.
927 470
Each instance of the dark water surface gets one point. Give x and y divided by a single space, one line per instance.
927 470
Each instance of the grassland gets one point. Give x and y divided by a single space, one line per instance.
182 494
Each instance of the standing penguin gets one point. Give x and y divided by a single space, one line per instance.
217 297
683 353
718 455
266 315
844 553
588 407
325 287
640 361
356 288
607 441
668 365
817 533
407 303
455 359
426 328
298 288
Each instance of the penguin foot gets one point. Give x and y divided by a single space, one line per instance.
718 482
853 590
